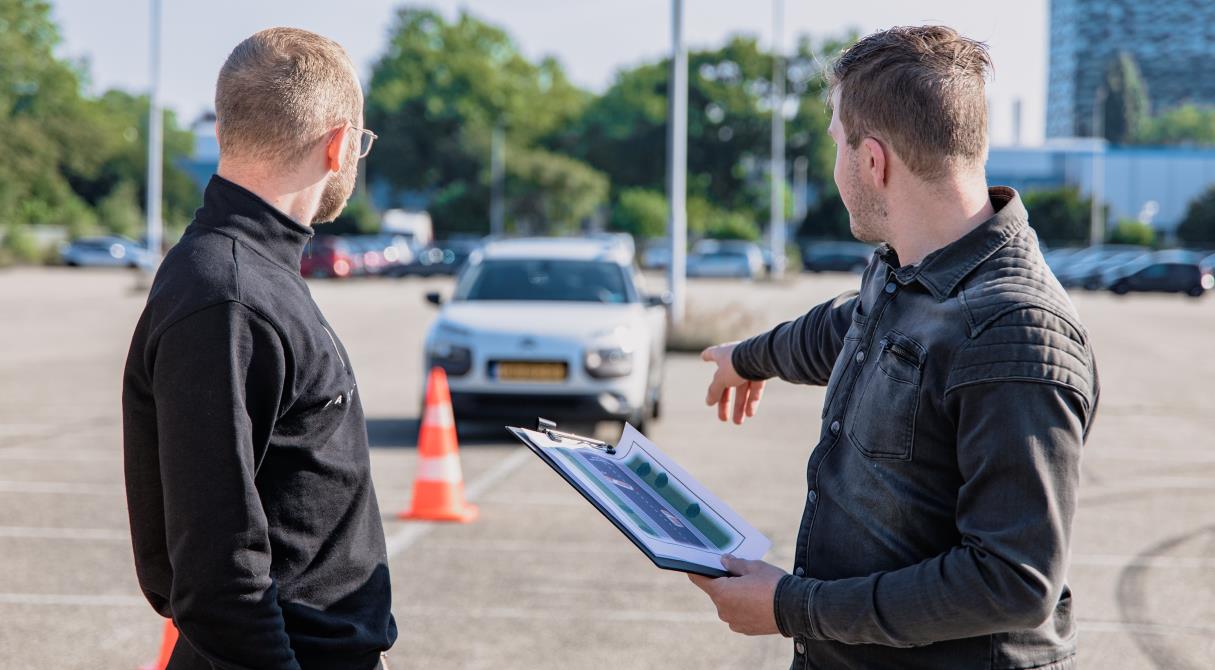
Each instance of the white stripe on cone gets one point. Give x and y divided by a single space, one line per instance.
438 415
439 469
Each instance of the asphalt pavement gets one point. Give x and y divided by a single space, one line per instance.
540 580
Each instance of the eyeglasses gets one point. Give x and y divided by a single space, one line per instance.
366 139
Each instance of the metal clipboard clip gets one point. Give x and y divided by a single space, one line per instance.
549 428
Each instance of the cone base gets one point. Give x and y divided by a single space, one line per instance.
466 515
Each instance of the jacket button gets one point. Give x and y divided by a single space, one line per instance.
891 287
835 427
812 496
799 571
799 648
860 357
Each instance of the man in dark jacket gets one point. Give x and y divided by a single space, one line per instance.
960 389
253 516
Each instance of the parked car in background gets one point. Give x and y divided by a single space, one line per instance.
328 256
110 251
1162 272
1058 259
555 327
446 257
725 258
836 257
656 255
1084 268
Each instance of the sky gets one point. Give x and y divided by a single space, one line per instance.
591 38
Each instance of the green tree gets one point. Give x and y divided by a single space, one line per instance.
435 97
1131 231
828 219
1126 101
623 132
119 210
67 154
1198 226
1060 216
1184 125
640 212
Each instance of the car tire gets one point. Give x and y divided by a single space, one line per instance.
1120 288
1196 292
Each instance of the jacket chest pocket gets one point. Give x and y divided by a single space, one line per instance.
881 423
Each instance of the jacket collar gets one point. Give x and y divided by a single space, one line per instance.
233 210
942 270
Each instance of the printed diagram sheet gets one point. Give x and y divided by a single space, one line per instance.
678 523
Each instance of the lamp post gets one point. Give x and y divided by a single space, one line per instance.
677 165
155 145
776 205
1097 215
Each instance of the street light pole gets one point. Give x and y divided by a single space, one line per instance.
1097 215
677 165
497 169
155 145
776 209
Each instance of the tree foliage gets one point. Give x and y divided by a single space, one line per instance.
1198 226
66 154
435 97
1060 216
1126 100
1184 125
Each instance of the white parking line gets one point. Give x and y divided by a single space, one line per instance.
87 455
401 540
45 533
70 600
61 487
1121 561
1163 629
618 615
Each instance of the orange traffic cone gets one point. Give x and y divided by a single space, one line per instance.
166 648
438 485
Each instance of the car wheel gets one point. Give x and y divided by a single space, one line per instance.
1120 288
1195 292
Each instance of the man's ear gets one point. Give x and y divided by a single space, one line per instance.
875 162
334 154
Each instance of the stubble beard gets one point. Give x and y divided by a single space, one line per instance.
337 191
867 215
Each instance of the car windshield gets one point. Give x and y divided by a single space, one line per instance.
540 279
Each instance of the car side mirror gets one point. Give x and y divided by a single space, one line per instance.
663 299
434 298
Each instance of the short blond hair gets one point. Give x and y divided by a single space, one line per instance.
921 88
279 93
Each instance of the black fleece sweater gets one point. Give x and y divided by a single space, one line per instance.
253 516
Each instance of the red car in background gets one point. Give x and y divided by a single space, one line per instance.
328 256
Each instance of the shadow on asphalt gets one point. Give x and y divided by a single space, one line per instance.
402 433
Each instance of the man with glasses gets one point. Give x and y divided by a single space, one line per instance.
253 516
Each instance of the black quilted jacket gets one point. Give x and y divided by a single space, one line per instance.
942 489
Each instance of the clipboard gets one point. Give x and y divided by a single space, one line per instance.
668 515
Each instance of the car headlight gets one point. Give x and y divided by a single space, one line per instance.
453 358
609 362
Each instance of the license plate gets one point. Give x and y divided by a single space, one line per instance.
527 371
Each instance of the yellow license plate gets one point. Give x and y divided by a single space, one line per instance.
525 371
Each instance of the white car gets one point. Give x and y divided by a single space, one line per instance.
113 251
726 258
552 327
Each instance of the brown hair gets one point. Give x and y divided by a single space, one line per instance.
921 89
279 93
